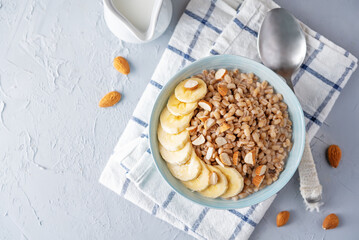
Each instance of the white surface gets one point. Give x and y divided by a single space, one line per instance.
55 65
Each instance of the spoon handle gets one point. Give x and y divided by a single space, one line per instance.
288 78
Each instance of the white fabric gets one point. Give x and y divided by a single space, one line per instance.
310 187
215 27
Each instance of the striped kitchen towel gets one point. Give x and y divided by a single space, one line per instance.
217 27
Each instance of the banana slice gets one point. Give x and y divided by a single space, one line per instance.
178 108
219 188
177 157
235 181
174 124
201 182
191 95
172 142
188 171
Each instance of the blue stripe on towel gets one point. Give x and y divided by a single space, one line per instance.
139 121
317 36
185 228
199 219
154 209
312 118
199 30
124 167
156 84
144 135
179 52
238 8
203 21
243 217
346 54
329 96
148 151
321 77
125 187
214 52
169 199
309 61
240 225
242 26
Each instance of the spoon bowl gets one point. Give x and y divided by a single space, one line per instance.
281 43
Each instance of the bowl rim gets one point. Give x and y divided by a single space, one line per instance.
302 136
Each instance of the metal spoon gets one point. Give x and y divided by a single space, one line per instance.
281 43
282 48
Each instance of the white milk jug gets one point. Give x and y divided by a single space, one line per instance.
137 21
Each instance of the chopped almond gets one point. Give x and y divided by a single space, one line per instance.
260 170
220 141
219 162
191 84
203 118
250 157
222 89
235 158
224 127
191 129
227 78
257 180
205 105
220 74
225 159
198 141
230 137
209 123
209 153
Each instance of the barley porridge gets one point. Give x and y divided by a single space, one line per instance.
225 134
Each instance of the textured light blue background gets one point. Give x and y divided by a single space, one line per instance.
56 63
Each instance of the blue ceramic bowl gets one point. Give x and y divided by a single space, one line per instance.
264 73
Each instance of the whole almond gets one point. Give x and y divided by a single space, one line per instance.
282 218
110 99
330 222
334 155
121 65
